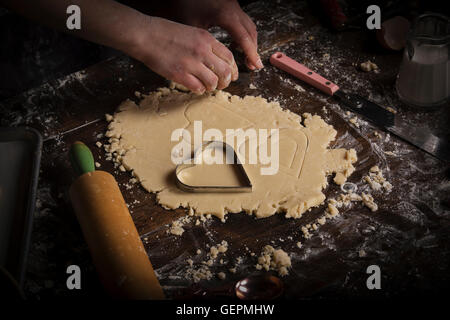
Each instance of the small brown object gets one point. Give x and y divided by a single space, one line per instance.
116 248
393 33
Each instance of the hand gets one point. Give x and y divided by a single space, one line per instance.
187 55
226 14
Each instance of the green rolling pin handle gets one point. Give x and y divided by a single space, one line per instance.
81 158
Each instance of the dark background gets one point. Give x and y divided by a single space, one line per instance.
31 54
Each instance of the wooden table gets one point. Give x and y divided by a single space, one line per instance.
408 237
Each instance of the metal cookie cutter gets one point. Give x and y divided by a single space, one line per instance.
245 187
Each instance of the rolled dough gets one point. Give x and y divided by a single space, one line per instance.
140 136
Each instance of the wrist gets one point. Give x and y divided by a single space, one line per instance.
140 39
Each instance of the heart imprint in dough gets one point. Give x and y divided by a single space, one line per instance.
214 167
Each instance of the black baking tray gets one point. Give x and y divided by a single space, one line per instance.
20 155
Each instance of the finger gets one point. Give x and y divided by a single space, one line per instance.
192 83
251 28
221 69
243 39
223 53
208 78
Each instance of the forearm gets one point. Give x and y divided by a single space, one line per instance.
106 22
187 55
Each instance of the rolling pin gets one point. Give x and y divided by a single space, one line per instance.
114 243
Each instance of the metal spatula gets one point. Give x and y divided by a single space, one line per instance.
417 136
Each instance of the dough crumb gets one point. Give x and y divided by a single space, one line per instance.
221 248
252 86
346 199
377 181
373 184
354 121
305 232
274 259
109 117
221 275
368 66
332 210
177 226
177 86
392 110
176 229
213 252
202 273
341 176
97 165
369 202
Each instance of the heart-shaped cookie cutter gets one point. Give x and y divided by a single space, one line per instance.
246 187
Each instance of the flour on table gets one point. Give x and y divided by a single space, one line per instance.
141 142
202 271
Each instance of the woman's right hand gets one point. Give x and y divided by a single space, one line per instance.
187 55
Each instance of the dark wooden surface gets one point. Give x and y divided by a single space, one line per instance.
408 237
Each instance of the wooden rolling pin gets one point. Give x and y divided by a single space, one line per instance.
116 248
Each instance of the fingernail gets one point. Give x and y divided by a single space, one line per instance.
228 79
259 64
249 64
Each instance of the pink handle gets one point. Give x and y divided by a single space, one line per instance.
283 62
